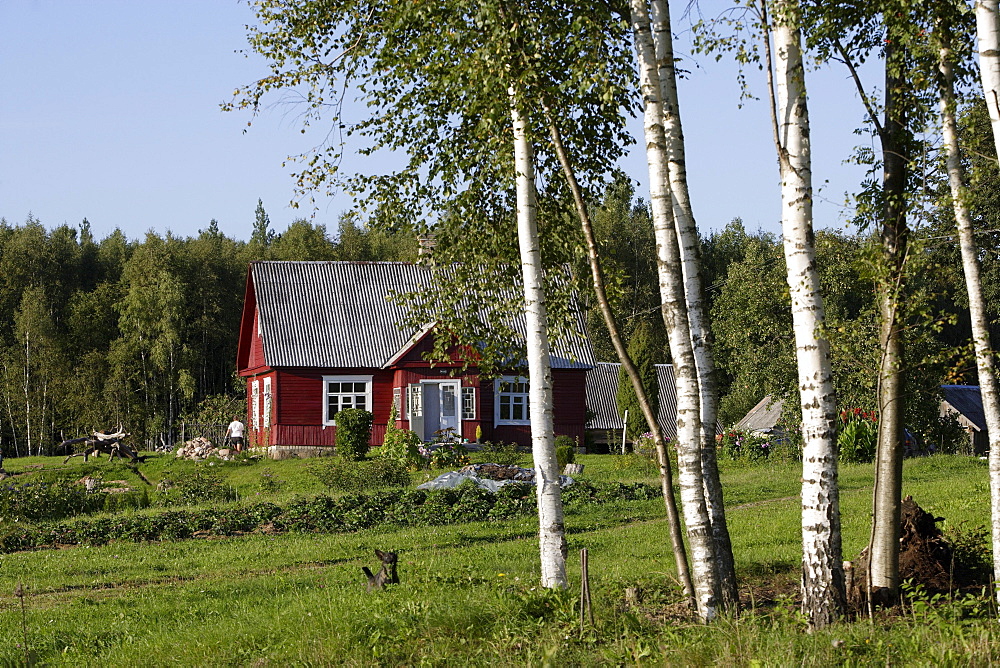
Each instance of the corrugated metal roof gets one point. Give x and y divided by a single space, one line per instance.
667 415
602 393
602 390
336 314
967 402
763 417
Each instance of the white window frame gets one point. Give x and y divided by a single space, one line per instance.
367 380
498 395
397 401
268 402
468 402
255 403
414 401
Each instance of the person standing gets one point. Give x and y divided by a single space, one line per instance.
235 433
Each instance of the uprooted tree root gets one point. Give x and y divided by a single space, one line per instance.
926 558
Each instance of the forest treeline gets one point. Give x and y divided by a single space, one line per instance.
96 334
142 333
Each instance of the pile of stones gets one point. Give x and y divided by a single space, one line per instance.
201 448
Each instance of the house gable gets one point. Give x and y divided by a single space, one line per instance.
250 347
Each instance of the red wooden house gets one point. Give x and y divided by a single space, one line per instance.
318 337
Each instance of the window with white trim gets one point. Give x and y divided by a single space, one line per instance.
511 402
397 401
267 403
468 403
414 401
343 392
255 403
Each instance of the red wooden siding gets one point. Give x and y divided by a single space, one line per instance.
311 435
299 403
256 343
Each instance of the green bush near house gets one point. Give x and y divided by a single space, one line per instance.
354 432
401 446
449 456
565 451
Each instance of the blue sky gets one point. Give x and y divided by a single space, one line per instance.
111 112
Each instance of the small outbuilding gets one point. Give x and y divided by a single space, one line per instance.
764 417
965 402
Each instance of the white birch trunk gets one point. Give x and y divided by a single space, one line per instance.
689 445
690 251
988 27
988 33
823 595
551 536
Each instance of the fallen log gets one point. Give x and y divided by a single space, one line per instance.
101 443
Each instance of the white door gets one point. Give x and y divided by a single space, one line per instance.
441 408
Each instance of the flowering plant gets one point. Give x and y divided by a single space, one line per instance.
449 456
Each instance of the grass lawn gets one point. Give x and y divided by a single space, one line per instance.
468 594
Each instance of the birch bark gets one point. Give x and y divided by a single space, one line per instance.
675 317
823 595
988 27
884 562
690 252
551 535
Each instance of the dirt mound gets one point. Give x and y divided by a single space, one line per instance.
925 558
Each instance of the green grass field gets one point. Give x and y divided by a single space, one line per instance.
468 594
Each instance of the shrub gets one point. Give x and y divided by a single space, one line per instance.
565 451
343 475
945 434
504 454
857 436
354 431
321 513
403 447
450 456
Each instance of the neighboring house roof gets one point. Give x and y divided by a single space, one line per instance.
337 315
763 417
967 402
602 397
602 390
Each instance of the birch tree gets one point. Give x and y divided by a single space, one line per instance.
823 594
851 33
988 31
630 369
705 575
690 253
551 534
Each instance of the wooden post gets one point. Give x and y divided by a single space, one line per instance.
586 611
624 429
